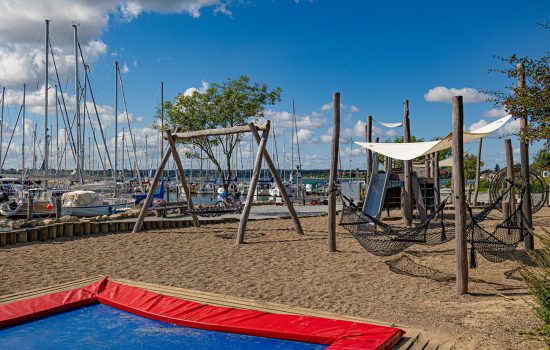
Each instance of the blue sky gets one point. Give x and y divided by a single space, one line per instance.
375 53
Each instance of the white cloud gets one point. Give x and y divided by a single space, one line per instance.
444 94
124 68
354 109
496 113
285 119
326 107
477 125
202 89
305 136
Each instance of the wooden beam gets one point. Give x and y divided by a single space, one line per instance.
524 154
478 166
333 172
149 199
435 171
407 188
427 165
253 183
279 183
217 132
510 173
368 137
460 203
172 145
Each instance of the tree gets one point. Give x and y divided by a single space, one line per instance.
497 167
533 101
470 161
221 105
542 160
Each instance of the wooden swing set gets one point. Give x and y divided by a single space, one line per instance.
261 155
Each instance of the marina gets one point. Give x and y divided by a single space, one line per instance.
220 174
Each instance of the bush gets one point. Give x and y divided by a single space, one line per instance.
537 278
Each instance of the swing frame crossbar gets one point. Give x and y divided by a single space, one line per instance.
261 155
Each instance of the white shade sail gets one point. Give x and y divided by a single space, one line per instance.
412 150
389 125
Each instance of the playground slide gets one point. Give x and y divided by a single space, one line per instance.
376 193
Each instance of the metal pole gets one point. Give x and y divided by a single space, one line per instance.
161 116
77 100
116 123
57 131
2 125
23 130
46 83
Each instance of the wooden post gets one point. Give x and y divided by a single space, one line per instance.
460 205
57 207
30 206
506 209
278 182
253 183
152 188
368 136
167 191
469 194
524 154
510 173
333 172
427 165
435 171
407 197
478 166
181 172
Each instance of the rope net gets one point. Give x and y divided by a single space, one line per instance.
501 243
381 239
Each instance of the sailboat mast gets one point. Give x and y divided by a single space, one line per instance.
34 149
23 129
123 147
57 130
161 118
2 126
292 145
116 120
77 101
46 83
146 155
83 136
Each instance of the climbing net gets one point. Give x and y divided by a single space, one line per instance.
499 244
382 239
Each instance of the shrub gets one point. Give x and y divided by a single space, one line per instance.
537 278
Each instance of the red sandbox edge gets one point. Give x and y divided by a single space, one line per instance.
337 334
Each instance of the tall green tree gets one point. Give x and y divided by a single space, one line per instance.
222 105
533 101
470 161
542 160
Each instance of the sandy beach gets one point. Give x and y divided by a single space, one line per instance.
413 288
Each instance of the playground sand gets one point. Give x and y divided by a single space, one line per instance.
279 266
